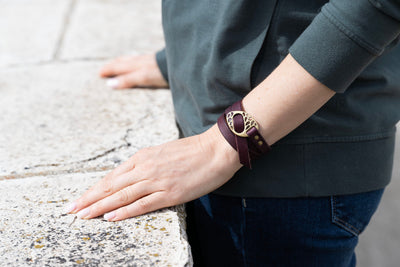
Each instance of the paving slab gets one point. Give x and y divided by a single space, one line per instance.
30 30
34 230
61 117
103 29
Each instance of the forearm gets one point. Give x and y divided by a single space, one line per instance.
285 99
343 31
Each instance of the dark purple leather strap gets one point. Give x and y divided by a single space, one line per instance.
247 150
241 142
225 131
256 138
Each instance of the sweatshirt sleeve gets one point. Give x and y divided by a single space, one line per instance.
162 63
345 37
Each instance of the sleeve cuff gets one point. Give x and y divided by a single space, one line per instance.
336 47
162 63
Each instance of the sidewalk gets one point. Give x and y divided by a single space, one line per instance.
62 130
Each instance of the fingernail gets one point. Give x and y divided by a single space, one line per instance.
109 216
83 213
70 207
113 83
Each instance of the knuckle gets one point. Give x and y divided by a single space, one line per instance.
146 171
164 184
142 154
107 186
122 82
130 162
96 209
110 175
144 79
143 205
133 160
124 196
110 68
173 199
123 213
138 155
139 174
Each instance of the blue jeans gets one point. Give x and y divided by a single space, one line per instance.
320 231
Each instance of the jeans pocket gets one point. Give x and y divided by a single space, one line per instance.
353 212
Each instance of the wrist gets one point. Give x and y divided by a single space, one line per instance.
223 152
240 130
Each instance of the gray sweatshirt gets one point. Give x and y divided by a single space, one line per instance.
217 51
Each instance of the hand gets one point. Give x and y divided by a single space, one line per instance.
134 71
161 176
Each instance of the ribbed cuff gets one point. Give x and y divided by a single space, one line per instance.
162 63
337 46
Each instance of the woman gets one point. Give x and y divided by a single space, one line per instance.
322 84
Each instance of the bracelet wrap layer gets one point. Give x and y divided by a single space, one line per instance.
241 132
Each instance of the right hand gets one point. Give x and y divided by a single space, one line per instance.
134 71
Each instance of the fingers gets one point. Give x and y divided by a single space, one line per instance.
114 181
103 189
134 71
152 202
129 80
122 176
125 196
118 67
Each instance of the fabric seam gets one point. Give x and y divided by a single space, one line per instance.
351 35
341 223
304 168
337 139
243 230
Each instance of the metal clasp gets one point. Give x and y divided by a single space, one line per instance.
248 122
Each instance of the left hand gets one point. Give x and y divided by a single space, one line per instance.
161 176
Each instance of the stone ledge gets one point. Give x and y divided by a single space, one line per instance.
61 127
68 121
34 229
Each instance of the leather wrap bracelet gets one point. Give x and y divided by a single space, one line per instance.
241 132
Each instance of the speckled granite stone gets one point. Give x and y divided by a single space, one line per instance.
34 230
113 28
68 121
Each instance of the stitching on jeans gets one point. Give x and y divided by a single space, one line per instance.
348 226
303 148
336 220
243 230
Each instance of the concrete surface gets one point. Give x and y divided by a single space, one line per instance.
60 128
